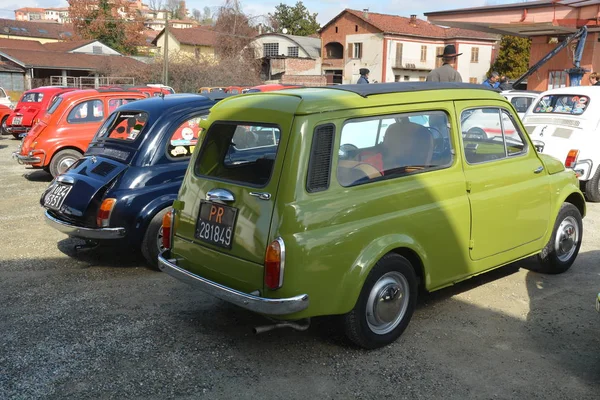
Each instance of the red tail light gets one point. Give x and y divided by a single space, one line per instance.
167 225
571 159
274 264
103 217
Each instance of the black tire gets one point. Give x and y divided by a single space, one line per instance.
563 247
62 160
592 187
3 131
361 328
151 245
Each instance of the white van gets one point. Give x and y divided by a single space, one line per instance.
564 123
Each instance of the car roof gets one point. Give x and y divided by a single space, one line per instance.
98 92
162 104
338 97
588 90
50 89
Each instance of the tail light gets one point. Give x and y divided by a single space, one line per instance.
274 264
103 217
167 229
571 159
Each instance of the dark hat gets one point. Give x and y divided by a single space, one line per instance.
449 51
364 71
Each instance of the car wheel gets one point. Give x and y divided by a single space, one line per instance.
63 160
592 187
152 243
563 247
385 304
3 130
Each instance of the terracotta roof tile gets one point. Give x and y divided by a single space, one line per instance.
398 25
47 30
21 44
52 59
199 36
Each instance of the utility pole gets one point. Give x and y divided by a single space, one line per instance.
166 55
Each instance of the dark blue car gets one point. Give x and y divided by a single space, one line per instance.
130 174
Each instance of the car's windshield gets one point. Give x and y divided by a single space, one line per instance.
562 104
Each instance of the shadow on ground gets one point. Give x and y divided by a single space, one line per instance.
38 175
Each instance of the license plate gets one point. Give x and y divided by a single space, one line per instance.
56 196
216 224
17 120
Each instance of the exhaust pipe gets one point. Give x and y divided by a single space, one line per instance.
300 325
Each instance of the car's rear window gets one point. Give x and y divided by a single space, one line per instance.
562 104
125 126
243 153
33 97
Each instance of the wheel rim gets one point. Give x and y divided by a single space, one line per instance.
159 240
65 163
387 303
567 238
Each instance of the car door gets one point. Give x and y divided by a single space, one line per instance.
506 183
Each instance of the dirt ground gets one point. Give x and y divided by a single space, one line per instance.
99 324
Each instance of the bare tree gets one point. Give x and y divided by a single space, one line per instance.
197 14
155 5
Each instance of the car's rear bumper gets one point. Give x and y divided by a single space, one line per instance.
261 305
82 232
32 158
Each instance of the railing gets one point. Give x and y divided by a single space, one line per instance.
414 63
90 82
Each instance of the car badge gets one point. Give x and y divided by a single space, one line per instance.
93 159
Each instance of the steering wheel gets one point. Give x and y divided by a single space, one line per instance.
439 144
476 133
346 149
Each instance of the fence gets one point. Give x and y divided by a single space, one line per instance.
90 82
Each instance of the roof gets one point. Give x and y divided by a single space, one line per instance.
198 36
67 45
9 68
397 25
21 44
587 90
53 59
339 97
30 9
310 45
47 30
528 4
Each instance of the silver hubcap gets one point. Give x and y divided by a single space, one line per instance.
159 240
65 163
387 303
567 237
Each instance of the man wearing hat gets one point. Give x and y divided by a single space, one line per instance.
364 76
446 73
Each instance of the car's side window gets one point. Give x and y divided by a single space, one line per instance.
113 104
521 104
88 111
490 134
393 145
184 139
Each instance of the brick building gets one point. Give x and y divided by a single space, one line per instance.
397 48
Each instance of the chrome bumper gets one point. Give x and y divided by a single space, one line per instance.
84 233
21 159
261 305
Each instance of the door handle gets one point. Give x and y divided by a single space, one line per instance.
538 170
220 195
261 195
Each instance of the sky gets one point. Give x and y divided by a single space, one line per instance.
326 9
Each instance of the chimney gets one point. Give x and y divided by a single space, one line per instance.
413 20
366 12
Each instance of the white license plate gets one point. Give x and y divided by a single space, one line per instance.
17 120
56 196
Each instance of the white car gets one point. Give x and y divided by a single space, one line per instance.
564 123
521 99
5 99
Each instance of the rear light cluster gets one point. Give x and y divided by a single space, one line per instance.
571 160
274 264
167 228
103 217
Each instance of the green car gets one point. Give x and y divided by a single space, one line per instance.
347 200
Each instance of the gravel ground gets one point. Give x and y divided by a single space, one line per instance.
100 325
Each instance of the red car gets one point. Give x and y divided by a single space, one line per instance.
148 91
31 108
269 88
62 136
4 113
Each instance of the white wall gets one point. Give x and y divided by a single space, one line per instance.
372 57
411 54
478 70
89 49
284 43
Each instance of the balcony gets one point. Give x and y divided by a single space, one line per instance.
414 64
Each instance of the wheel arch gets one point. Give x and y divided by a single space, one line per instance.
58 149
148 212
578 201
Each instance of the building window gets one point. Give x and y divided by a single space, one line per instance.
97 49
423 53
557 79
474 54
355 50
472 80
439 60
399 55
334 50
293 51
355 28
396 78
422 79
336 29
406 77
270 49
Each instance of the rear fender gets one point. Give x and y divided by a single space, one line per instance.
354 279
148 212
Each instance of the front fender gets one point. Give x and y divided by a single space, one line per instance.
353 280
